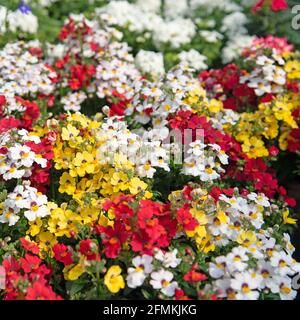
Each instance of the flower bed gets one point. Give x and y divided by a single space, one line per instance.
143 158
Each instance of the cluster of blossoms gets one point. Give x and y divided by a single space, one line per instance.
22 73
124 176
161 25
20 20
263 92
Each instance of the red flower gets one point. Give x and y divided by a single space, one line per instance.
74 84
194 276
278 5
291 202
9 123
273 151
62 254
185 218
2 100
40 291
11 265
275 5
180 295
90 249
29 246
30 263
114 238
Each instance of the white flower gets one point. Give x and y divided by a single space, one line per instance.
168 259
226 291
9 216
260 199
150 62
22 153
13 172
282 262
246 284
217 270
26 22
143 266
194 59
236 259
267 273
285 289
162 280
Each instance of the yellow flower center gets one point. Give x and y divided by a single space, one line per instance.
245 288
165 283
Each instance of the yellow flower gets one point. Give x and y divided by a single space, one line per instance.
84 163
215 106
63 158
283 143
287 219
199 215
255 148
199 233
70 132
246 238
136 186
205 244
119 181
114 280
67 184
35 227
75 272
282 111
46 240
292 68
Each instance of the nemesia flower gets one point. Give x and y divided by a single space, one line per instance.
162 280
113 280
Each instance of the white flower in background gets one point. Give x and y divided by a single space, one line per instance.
73 101
193 59
22 19
172 10
3 14
17 78
168 259
234 24
260 86
142 267
246 284
149 5
174 33
56 51
235 46
162 280
210 5
46 3
211 36
150 62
